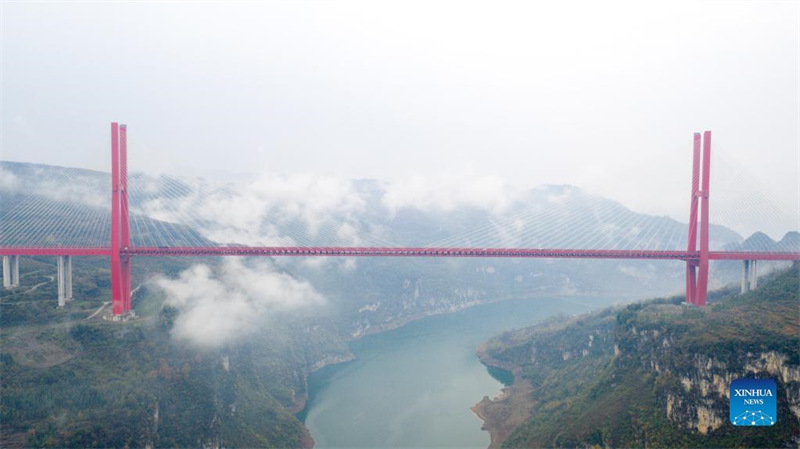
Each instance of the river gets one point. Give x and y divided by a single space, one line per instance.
414 386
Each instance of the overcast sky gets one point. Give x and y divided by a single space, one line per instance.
603 95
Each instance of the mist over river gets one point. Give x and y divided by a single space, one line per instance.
414 386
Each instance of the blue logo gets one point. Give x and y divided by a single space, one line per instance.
753 402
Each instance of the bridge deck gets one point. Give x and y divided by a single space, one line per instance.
299 251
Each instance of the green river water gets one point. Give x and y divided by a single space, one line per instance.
414 386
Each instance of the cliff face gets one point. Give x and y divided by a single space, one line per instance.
694 360
659 373
701 403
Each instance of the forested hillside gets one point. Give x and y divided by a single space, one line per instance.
657 373
78 382
65 369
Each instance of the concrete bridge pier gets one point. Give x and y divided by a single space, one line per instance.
745 276
10 271
14 271
64 280
749 275
69 278
6 271
61 299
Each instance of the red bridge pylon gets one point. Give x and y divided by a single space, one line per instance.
120 229
697 283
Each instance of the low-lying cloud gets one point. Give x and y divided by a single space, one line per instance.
272 210
277 210
8 181
448 192
217 308
71 185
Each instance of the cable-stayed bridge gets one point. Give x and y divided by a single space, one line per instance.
166 216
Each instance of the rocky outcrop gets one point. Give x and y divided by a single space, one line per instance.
696 388
658 373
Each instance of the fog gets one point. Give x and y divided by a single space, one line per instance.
600 95
221 308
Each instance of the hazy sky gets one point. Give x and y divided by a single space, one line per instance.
604 95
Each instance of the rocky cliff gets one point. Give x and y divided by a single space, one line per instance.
658 373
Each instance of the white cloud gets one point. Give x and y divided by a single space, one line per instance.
8 181
447 192
272 210
70 185
219 308
304 210
604 95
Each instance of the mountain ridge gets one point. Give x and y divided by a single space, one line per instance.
654 373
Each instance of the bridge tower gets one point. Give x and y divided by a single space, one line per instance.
125 235
697 269
120 230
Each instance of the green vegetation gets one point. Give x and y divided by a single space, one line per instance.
657 373
68 381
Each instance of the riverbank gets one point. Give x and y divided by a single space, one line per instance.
628 376
399 322
300 403
298 407
452 380
503 414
